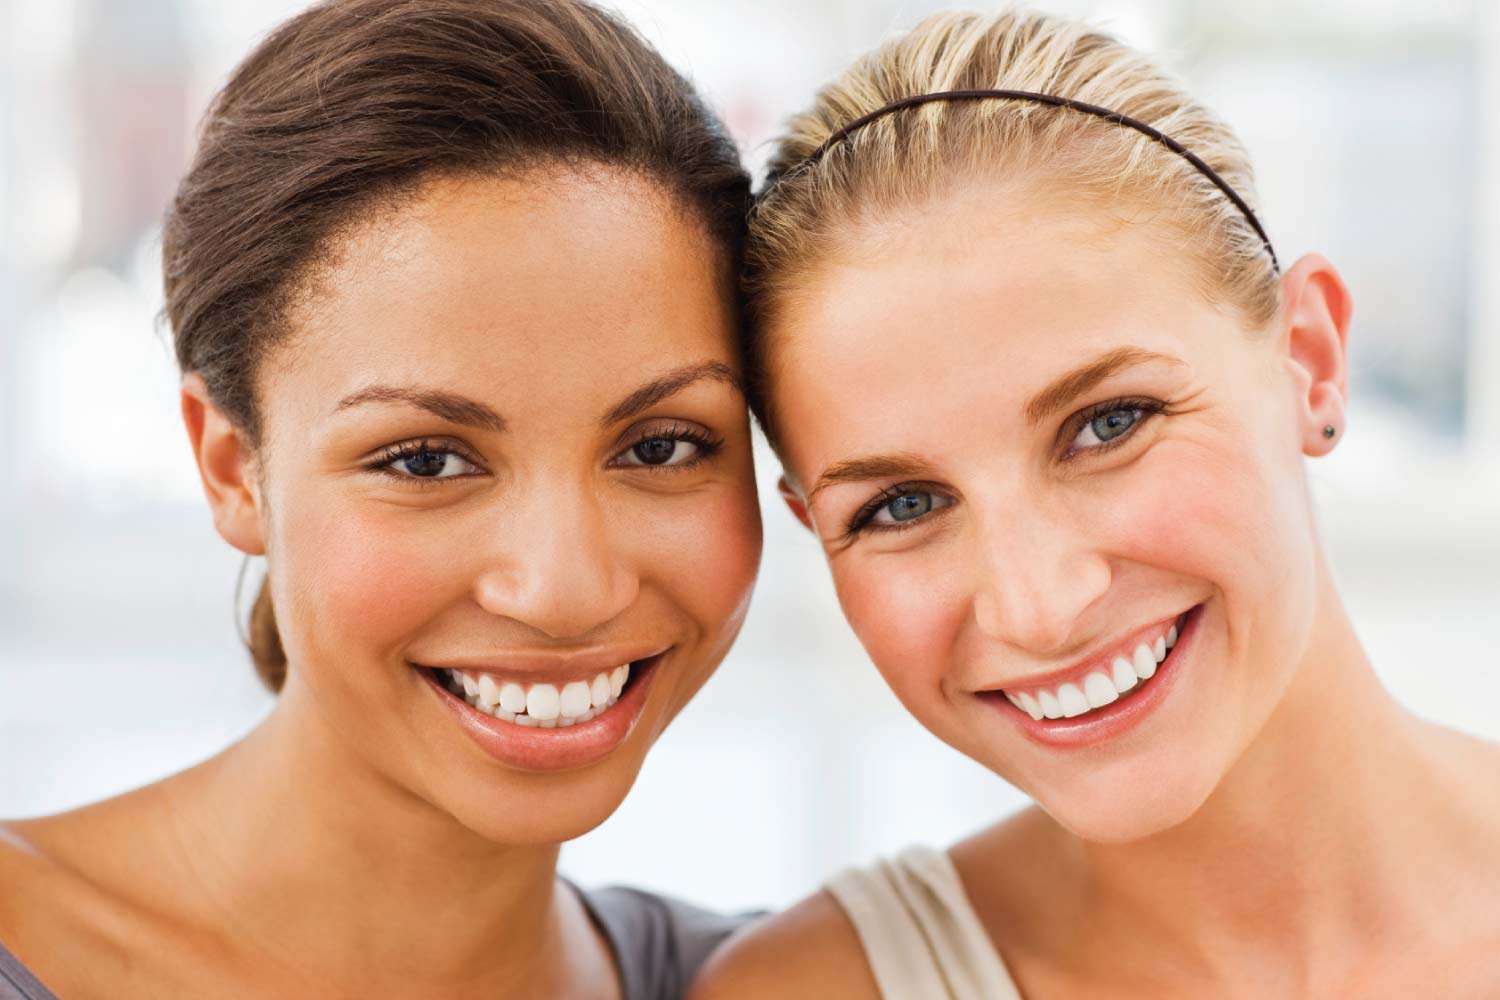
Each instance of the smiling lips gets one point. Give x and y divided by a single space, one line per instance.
545 706
1102 682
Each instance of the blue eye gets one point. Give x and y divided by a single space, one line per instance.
1106 427
906 507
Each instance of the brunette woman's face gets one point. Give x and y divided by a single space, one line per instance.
1061 494
508 499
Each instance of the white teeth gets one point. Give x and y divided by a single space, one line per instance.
1144 662
599 691
617 679
489 691
542 703
513 698
574 700
1099 690
1072 700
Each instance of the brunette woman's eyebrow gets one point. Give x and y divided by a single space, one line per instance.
669 384
867 467
449 406
1070 385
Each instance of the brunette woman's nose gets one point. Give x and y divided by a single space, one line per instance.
558 569
1034 580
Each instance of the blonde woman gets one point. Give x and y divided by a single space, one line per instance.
1044 393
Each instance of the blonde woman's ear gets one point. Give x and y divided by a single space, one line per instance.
795 503
1315 316
226 467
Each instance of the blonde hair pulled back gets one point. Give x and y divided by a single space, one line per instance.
809 211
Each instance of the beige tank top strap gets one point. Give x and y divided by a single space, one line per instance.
920 935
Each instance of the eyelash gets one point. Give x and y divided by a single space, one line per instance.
707 444
861 522
382 464
1070 430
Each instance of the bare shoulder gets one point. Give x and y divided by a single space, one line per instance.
61 912
28 874
42 890
810 951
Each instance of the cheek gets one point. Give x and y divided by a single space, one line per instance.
704 555
907 610
1226 516
362 576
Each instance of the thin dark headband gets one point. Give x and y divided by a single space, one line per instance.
1059 102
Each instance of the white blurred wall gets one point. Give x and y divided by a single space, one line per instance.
1374 126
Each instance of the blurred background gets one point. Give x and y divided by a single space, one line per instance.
1375 126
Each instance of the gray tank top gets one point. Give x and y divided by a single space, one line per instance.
658 943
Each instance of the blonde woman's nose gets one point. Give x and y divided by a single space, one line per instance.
1034 579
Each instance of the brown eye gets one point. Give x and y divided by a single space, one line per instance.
660 451
673 447
432 463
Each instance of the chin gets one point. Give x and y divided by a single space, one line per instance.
1110 808
551 811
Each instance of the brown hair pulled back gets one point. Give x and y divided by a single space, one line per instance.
355 101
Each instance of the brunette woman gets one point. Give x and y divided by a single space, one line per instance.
452 287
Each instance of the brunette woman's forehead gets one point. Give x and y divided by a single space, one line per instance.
306 139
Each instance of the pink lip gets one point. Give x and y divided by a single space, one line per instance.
1104 724
531 748
1098 662
552 669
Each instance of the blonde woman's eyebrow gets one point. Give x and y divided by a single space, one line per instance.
669 384
450 406
863 469
1072 384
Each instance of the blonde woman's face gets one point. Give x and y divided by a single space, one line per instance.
1037 461
507 452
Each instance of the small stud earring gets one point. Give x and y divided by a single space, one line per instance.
1329 431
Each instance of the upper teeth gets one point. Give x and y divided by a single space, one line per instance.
544 705
1099 687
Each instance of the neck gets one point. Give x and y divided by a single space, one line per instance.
1302 859
314 862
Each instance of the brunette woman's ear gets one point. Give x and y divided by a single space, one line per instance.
227 467
795 503
1315 317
